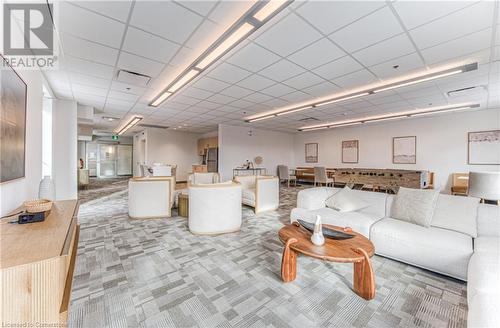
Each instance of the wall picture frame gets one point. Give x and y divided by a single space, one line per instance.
350 151
13 103
404 150
311 152
483 147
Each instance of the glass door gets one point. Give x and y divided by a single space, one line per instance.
106 161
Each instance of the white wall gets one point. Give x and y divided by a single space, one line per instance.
236 146
64 148
172 147
441 144
14 193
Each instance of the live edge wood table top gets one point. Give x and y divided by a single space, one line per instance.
357 250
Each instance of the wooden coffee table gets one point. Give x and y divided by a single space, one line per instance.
357 250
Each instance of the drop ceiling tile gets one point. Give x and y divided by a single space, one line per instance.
89 80
339 67
288 35
275 103
87 25
242 104
356 79
122 96
253 58
322 89
221 99
458 47
140 65
210 84
77 47
258 97
147 45
236 91
405 64
478 16
205 36
89 68
281 70
196 93
329 16
256 82
116 9
228 73
201 7
208 105
386 50
277 90
373 28
316 54
127 88
228 12
164 18
415 13
303 81
185 99
296 96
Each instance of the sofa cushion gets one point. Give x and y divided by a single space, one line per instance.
415 206
488 220
483 311
456 213
487 244
248 196
359 222
314 198
436 249
345 201
483 275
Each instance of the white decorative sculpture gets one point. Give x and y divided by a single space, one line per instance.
317 237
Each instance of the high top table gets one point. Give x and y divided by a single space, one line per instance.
357 250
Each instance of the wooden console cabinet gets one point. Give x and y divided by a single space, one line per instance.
37 261
205 143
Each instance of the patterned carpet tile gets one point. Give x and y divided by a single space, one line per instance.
155 273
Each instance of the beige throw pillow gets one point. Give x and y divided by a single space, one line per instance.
346 200
415 206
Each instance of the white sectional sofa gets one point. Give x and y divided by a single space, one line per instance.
463 241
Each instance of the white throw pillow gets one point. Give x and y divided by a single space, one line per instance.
346 200
415 206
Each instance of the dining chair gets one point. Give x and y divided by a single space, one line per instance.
321 177
284 174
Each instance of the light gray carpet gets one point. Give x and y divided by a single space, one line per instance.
154 273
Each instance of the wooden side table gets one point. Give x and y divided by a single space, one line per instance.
183 206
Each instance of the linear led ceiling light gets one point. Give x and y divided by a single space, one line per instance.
392 116
130 123
260 13
388 86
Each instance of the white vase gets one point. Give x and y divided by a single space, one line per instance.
47 189
317 237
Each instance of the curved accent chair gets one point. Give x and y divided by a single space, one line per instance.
203 178
150 197
261 192
214 208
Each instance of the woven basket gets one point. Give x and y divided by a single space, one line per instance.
38 205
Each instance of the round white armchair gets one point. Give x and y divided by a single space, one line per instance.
214 208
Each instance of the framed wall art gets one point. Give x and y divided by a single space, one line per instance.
404 150
484 148
350 151
311 153
12 124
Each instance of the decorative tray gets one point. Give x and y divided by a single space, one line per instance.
329 233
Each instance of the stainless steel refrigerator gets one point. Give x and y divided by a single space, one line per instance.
212 158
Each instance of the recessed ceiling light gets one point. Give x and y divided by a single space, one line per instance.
109 118
401 82
392 116
130 123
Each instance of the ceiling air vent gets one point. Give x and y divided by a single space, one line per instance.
467 92
133 78
308 119
153 126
